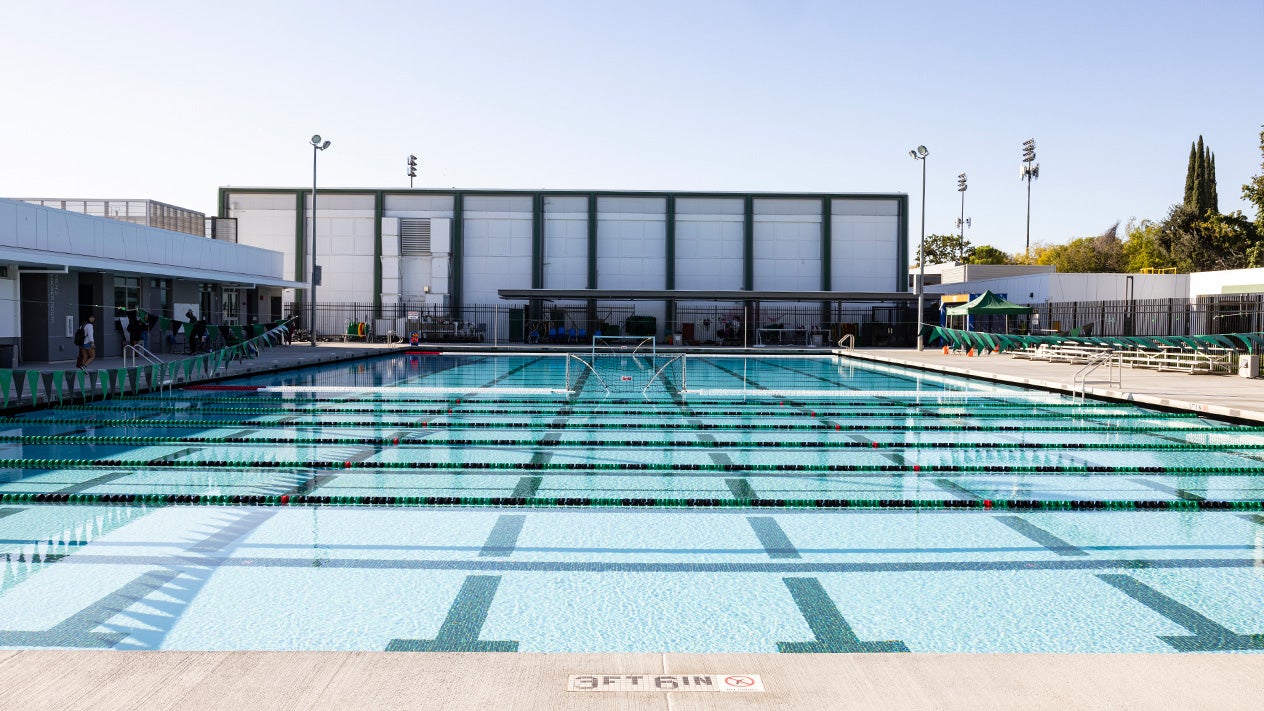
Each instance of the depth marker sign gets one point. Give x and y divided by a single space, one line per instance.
664 682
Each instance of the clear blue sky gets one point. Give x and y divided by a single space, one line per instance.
169 101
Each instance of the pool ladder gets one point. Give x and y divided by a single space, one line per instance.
1114 362
136 354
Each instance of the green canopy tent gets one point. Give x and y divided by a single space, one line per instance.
988 303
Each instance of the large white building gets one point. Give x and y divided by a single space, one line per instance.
460 248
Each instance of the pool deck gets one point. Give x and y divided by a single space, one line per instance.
1225 396
56 679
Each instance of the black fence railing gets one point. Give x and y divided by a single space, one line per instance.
752 324
769 323
1225 313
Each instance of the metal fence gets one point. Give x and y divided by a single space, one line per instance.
1225 313
751 324
769 323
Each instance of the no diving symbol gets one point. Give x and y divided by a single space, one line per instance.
739 682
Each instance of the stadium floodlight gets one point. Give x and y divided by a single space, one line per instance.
1029 172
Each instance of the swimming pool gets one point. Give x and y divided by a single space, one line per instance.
551 503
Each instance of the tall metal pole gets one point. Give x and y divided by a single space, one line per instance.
961 223
920 153
311 326
317 145
1027 249
921 265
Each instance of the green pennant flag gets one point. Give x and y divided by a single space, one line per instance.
32 380
164 323
59 384
188 364
74 378
19 384
93 376
6 379
204 362
133 377
109 385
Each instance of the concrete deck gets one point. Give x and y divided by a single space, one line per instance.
1226 396
411 680
53 679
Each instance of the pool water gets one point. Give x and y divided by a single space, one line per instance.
616 503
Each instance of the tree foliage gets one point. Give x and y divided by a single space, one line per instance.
987 254
1253 192
1102 253
941 249
1200 180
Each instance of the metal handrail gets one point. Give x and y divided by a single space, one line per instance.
849 339
1114 362
166 377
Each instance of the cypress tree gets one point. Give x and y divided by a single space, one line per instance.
1198 195
1200 180
1214 200
1189 175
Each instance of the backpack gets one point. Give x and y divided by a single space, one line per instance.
79 337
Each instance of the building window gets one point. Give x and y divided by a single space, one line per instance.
160 294
231 304
204 300
127 292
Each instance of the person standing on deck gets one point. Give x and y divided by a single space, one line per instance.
87 351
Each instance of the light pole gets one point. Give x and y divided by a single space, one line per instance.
920 153
317 145
963 222
1030 171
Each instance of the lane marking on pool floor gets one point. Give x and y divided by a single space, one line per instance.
504 536
527 487
464 623
1037 534
1156 486
771 536
1208 635
831 631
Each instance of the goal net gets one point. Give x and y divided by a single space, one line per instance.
626 365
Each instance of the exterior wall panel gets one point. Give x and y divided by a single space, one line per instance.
497 246
565 242
865 249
